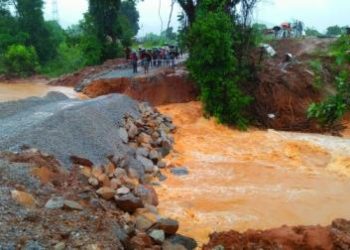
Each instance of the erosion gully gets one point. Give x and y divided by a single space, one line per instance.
239 180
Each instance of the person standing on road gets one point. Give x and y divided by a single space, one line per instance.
146 60
134 60
277 30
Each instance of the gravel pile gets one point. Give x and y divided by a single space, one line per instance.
63 127
106 200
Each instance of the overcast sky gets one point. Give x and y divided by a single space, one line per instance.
314 13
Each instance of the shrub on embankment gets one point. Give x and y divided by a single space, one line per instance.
333 108
218 61
20 60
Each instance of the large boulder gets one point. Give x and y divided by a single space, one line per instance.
128 203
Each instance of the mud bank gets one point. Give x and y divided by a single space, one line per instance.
335 236
161 87
285 89
76 78
255 179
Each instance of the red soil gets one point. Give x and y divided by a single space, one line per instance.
76 78
162 87
335 236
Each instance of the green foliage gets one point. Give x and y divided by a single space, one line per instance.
169 34
328 112
57 33
20 60
334 30
316 67
312 32
107 26
103 14
258 34
69 59
214 67
341 50
31 21
151 40
9 31
129 11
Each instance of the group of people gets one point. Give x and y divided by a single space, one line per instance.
287 30
151 58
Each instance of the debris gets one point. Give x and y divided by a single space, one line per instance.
143 223
179 239
169 226
106 193
55 203
128 203
268 49
23 198
179 171
72 205
124 135
123 190
157 235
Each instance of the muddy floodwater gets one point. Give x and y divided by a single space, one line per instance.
255 179
240 180
22 89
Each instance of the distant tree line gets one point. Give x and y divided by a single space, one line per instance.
331 31
29 44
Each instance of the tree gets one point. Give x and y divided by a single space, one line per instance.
9 30
312 32
104 15
334 30
169 34
31 21
89 42
128 22
190 7
212 52
128 10
20 60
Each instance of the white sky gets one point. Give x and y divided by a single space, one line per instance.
314 13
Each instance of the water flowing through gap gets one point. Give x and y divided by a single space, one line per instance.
239 180
255 179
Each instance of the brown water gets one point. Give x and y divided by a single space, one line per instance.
255 179
21 90
240 180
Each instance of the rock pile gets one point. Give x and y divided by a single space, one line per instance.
126 182
106 198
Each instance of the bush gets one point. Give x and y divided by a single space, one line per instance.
317 68
20 60
340 50
327 113
69 59
214 67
